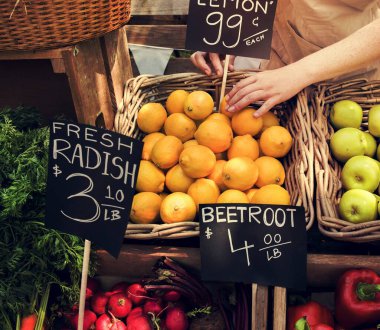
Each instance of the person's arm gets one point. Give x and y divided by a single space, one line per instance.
276 86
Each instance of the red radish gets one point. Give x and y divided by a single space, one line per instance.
119 304
89 320
139 323
137 293
176 319
29 322
118 287
154 307
135 312
93 286
106 322
171 295
99 302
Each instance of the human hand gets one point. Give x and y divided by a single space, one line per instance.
272 87
202 61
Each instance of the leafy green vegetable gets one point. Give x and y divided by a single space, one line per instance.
31 255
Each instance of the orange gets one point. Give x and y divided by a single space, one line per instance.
232 196
219 116
240 173
271 171
243 122
166 151
243 146
197 161
177 180
251 192
276 141
149 141
222 108
216 174
176 101
181 126
151 117
271 194
150 178
198 105
204 191
178 207
189 143
214 134
145 208
269 120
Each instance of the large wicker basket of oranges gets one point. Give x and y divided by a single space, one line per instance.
194 155
347 151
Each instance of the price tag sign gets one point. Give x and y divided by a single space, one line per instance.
264 244
237 27
91 179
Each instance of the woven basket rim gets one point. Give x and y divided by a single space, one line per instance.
145 87
327 169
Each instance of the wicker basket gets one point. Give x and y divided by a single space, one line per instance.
298 163
42 24
327 169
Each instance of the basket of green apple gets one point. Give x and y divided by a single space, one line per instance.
347 168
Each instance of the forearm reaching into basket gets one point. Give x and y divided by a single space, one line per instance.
275 86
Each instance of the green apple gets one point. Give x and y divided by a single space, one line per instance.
374 120
346 113
357 206
371 145
378 209
348 142
361 172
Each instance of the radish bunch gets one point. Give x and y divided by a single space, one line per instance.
158 303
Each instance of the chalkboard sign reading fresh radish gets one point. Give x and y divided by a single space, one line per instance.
264 244
91 179
237 27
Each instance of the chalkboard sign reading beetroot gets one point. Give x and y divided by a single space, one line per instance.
91 179
264 244
235 27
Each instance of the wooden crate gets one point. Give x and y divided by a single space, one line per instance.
323 271
137 260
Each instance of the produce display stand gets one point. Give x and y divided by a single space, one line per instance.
100 74
323 272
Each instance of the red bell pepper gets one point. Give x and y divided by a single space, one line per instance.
314 313
357 298
303 324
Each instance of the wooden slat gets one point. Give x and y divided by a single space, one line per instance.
259 307
160 7
324 270
118 63
170 36
58 65
279 308
88 83
33 55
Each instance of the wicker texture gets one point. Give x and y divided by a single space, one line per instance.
298 163
42 24
328 170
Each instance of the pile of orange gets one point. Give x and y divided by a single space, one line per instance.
193 155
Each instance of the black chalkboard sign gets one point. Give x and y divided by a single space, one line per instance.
235 27
91 178
264 244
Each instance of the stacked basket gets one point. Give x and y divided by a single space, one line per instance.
295 117
31 25
328 170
